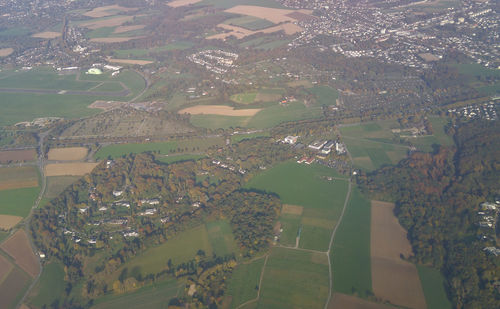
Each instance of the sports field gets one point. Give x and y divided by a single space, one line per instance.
350 254
294 279
305 186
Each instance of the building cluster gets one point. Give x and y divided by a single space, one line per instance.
393 33
487 111
215 60
488 217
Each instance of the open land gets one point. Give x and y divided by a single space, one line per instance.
123 29
393 279
115 39
57 184
50 285
351 249
107 22
17 155
244 279
130 61
47 35
18 177
67 154
18 202
240 33
5 268
434 288
218 110
19 248
179 3
108 10
4 52
7 222
343 301
12 288
69 169
294 279
273 15
312 204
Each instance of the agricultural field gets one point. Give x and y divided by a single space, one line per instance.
343 301
350 254
221 237
325 95
43 93
7 221
69 169
169 159
67 154
230 3
433 286
371 145
244 281
393 279
249 22
141 53
18 202
155 259
4 52
13 287
153 296
294 279
18 177
19 248
222 110
57 184
163 148
312 203
49 287
266 118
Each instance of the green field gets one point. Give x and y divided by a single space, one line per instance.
137 53
18 202
3 236
221 237
304 185
244 98
57 184
371 145
50 286
249 22
178 158
181 248
241 137
433 286
350 254
325 95
230 3
272 44
17 107
163 148
478 70
152 296
294 279
244 282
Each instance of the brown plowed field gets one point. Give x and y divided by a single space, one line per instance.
4 52
18 247
218 110
67 154
115 40
5 267
110 22
69 169
47 35
108 10
393 279
342 301
7 221
240 33
276 16
14 284
17 155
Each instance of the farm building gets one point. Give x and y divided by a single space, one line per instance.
291 139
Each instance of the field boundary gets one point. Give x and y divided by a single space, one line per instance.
260 285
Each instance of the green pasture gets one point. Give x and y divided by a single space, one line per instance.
325 95
42 78
18 202
433 285
244 98
50 286
221 237
169 159
294 279
152 296
57 184
241 137
249 22
350 254
244 282
138 53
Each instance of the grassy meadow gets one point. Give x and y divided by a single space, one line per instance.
18 202
244 282
50 286
433 286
